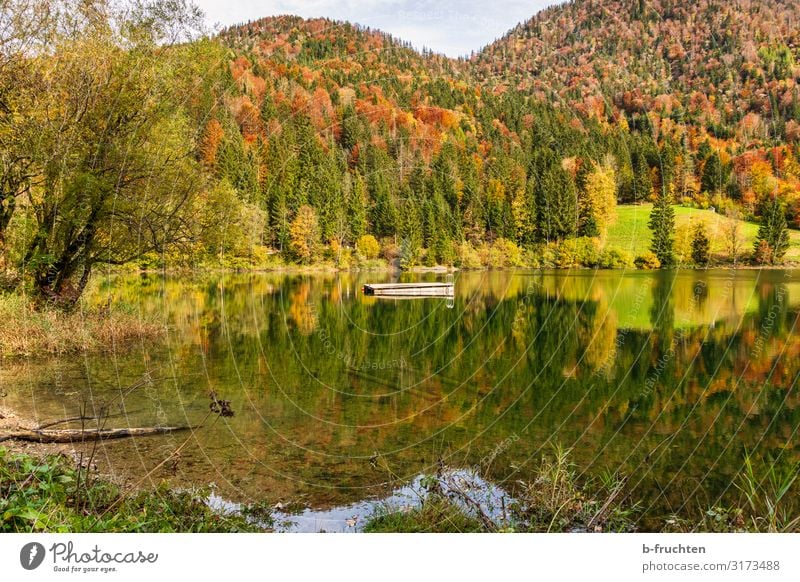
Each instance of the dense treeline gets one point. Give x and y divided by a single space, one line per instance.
436 157
314 140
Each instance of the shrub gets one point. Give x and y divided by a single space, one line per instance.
615 259
533 256
763 253
504 253
368 247
390 250
468 257
566 254
647 260
577 252
548 256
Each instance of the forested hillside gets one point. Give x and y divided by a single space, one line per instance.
532 140
717 77
304 141
380 140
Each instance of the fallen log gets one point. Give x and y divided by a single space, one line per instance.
79 435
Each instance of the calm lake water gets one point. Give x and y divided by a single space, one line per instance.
668 378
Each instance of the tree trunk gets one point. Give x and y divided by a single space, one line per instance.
79 435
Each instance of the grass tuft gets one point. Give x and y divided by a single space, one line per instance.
26 330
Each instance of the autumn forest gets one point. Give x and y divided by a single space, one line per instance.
129 134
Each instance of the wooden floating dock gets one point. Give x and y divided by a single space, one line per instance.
410 289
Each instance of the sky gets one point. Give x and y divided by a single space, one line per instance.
452 27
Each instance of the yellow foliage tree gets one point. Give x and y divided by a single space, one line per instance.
304 234
368 247
601 194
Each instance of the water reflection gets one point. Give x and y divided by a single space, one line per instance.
666 377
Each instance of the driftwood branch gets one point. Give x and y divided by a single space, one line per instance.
79 435
53 423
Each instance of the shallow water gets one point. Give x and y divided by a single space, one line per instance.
665 377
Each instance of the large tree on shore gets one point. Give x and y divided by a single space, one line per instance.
25 27
112 167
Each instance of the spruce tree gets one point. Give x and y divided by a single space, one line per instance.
772 241
555 200
662 223
642 182
357 208
700 245
714 179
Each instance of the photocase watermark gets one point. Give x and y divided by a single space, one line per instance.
31 555
66 558
496 451
349 360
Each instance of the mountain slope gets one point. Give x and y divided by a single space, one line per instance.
588 102
710 62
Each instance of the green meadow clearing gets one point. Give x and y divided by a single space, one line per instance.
630 231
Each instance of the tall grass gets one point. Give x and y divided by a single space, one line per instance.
26 330
767 488
555 500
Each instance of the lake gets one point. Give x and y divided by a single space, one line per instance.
340 399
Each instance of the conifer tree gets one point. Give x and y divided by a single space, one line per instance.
772 241
700 245
714 179
662 223
357 208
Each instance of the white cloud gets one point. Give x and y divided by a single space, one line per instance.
452 27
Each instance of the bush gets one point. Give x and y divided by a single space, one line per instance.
533 257
566 254
615 259
368 247
390 250
647 260
468 257
504 253
577 252
763 253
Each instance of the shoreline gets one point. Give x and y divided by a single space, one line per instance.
322 269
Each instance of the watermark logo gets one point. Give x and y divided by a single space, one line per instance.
31 555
